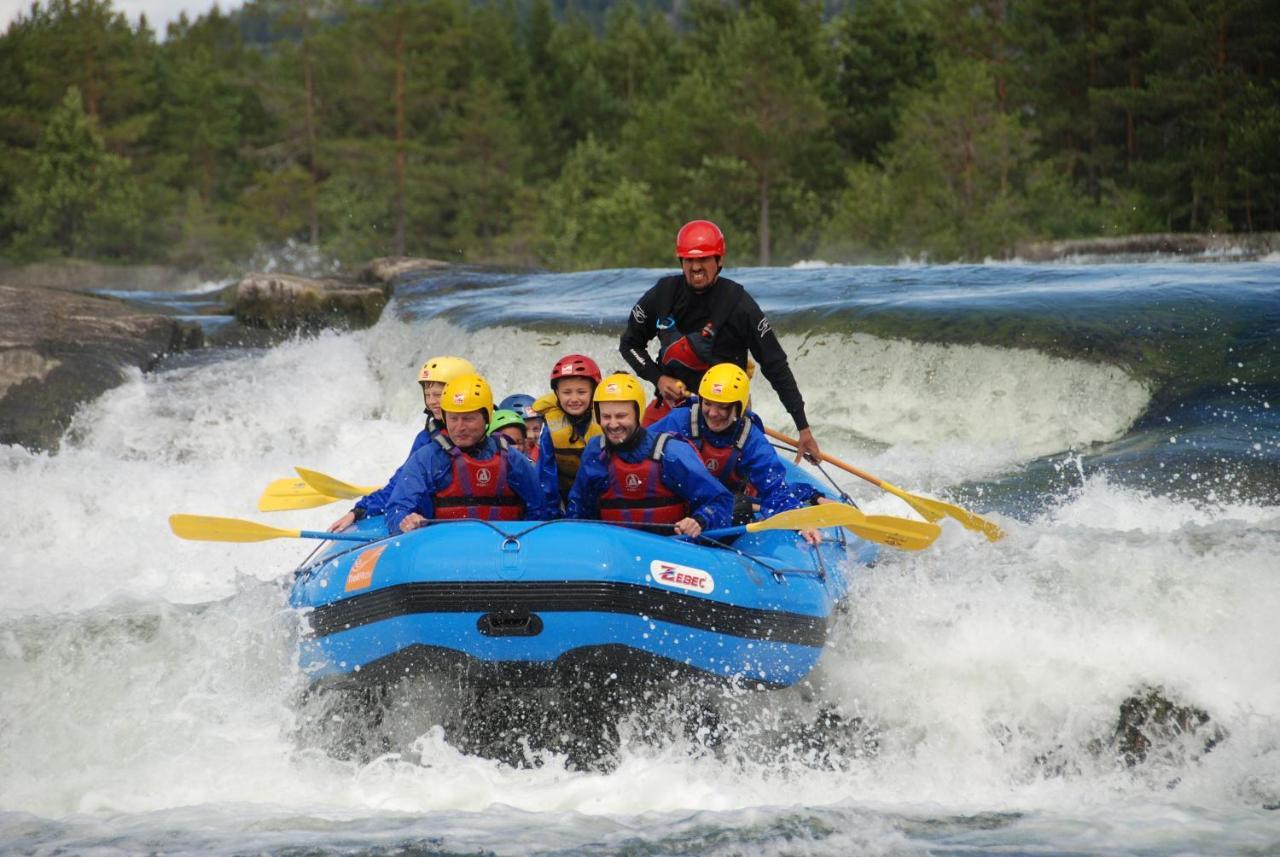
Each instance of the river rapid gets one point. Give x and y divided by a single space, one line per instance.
1122 423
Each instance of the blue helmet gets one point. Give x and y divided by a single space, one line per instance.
520 403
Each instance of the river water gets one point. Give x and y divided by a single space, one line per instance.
1122 423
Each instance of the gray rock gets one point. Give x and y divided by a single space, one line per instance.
59 349
390 268
1210 246
82 275
288 302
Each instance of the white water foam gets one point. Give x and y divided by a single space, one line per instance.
986 670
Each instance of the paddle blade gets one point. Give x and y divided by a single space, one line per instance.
310 500
809 517
289 486
901 533
205 528
324 484
936 510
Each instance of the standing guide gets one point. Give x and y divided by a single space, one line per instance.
700 319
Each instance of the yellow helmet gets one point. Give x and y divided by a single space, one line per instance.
467 393
727 384
621 387
444 369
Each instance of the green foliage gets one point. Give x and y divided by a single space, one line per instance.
883 50
592 220
512 132
76 200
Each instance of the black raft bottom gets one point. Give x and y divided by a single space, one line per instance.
615 665
518 712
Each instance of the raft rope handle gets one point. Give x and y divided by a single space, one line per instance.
515 537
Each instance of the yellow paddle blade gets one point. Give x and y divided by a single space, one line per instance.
323 484
901 533
205 528
289 486
291 493
936 510
310 500
809 517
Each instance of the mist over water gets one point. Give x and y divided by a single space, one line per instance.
150 700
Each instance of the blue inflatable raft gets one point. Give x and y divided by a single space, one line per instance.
532 603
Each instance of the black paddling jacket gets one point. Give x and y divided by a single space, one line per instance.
738 327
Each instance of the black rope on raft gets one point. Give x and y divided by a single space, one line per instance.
844 495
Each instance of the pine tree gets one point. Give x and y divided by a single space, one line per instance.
77 200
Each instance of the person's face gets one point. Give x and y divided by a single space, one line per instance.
618 420
533 428
701 273
466 429
719 416
574 395
514 435
431 391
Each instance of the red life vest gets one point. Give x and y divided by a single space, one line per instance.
636 494
721 461
479 490
682 354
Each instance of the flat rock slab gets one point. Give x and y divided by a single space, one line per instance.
1217 246
388 269
288 302
59 349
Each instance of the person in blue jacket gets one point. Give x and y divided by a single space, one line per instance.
634 476
478 476
432 377
733 446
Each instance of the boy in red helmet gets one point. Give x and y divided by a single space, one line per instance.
700 319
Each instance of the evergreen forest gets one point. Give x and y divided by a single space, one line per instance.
522 132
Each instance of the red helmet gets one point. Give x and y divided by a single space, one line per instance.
575 366
699 238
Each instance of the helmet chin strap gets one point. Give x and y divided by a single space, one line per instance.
628 442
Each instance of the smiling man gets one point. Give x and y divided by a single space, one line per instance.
472 476
735 449
700 319
635 477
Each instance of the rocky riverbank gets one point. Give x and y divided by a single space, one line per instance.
1208 247
59 349
63 343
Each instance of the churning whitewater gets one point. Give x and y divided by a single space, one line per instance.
1120 423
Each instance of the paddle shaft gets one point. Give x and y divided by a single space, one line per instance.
340 537
830 459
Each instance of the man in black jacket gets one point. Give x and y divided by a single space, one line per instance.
701 319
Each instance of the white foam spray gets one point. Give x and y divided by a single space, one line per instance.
149 683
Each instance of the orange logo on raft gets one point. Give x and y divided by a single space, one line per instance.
361 573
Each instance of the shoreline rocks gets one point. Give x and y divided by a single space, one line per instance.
388 269
59 349
1209 246
289 302
79 275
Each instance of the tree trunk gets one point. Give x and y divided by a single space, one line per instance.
764 219
1130 128
313 206
1091 172
400 145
